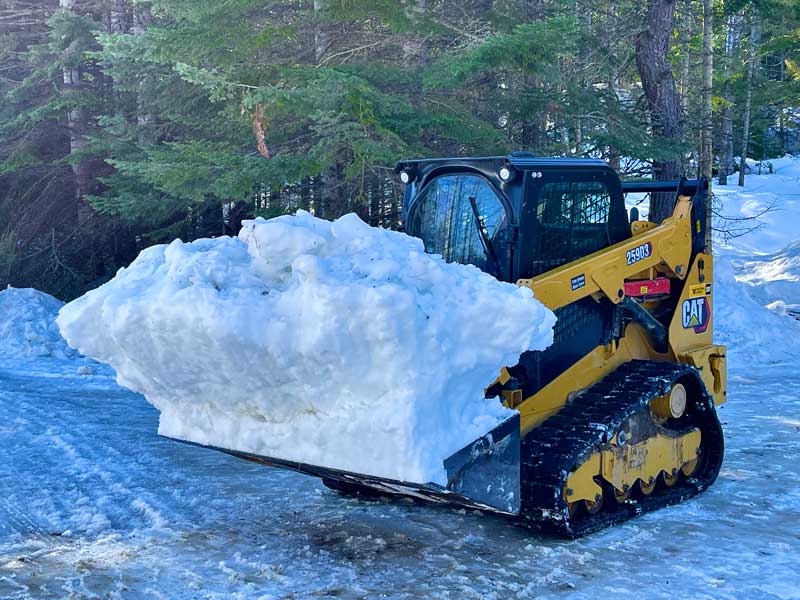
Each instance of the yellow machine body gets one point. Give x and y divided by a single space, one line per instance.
690 342
618 416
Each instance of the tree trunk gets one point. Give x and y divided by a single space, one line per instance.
706 162
706 151
328 179
77 120
533 129
116 24
614 159
685 29
658 82
305 193
726 146
748 100
145 119
686 23
322 35
118 16
328 204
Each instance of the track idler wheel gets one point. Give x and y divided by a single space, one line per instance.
593 507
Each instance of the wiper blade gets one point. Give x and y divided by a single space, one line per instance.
485 241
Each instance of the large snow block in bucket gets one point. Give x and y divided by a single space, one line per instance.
328 347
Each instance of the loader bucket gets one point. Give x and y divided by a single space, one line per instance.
484 475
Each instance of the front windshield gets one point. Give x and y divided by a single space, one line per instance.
443 217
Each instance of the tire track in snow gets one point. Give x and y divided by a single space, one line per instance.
88 494
92 495
15 496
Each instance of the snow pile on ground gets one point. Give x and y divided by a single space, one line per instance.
28 325
750 329
758 271
772 201
772 277
334 344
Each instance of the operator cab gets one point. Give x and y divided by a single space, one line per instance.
513 216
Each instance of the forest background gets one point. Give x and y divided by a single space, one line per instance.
126 123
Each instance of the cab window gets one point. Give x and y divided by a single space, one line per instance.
463 219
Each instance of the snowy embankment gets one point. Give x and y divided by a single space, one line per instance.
758 263
27 325
333 344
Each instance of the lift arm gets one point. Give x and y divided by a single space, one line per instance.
667 246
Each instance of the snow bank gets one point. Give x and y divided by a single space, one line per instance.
772 201
335 344
751 330
28 325
772 277
758 273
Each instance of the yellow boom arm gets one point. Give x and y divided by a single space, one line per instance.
667 246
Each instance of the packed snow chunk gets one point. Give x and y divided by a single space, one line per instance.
333 344
778 307
28 325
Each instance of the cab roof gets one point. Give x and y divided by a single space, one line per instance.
520 160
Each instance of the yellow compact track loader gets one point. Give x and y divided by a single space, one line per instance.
618 416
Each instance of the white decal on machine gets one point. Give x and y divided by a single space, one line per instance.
639 253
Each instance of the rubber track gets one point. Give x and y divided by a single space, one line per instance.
551 451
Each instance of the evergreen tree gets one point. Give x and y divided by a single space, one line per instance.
128 122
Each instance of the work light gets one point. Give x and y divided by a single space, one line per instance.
506 173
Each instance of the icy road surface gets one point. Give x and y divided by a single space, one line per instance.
94 505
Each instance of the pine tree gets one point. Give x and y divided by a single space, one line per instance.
178 118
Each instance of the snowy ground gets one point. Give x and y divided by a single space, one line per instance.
93 504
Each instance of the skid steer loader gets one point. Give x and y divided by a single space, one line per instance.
618 416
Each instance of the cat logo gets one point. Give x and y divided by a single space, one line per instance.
695 314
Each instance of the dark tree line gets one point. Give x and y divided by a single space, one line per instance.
126 123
